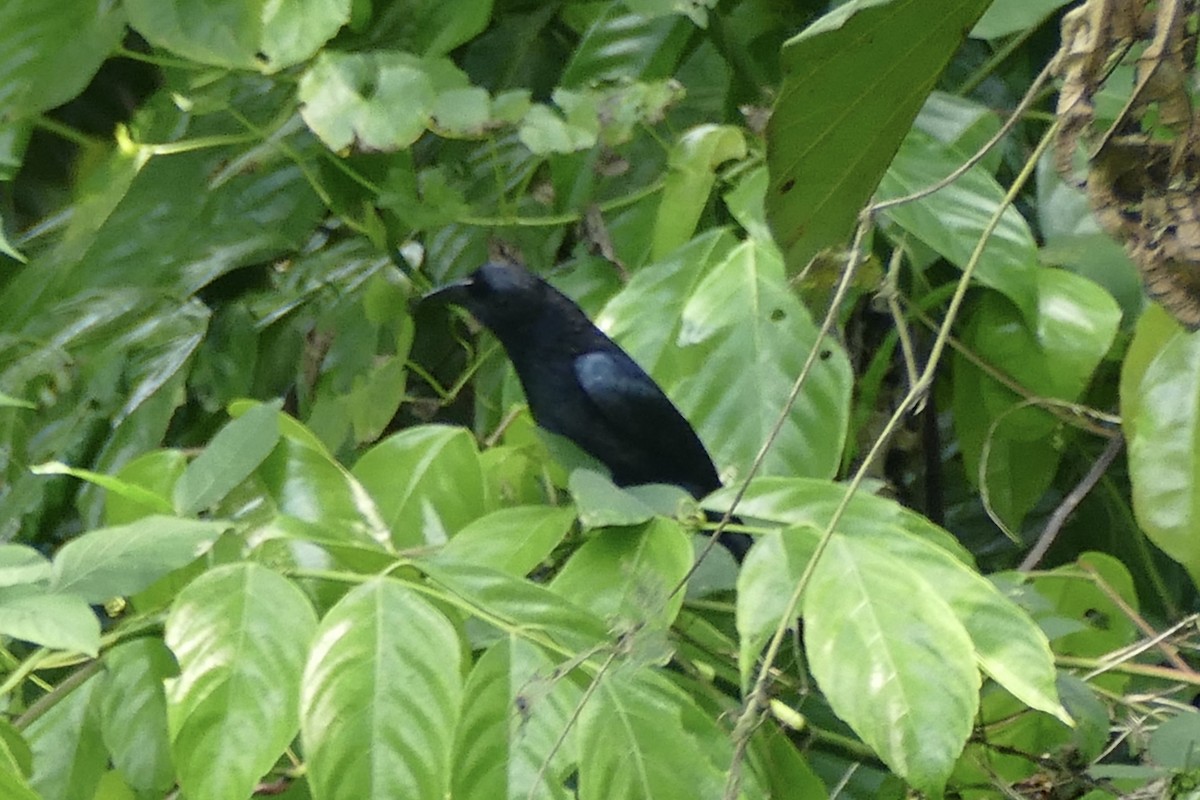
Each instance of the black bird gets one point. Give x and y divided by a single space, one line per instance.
583 386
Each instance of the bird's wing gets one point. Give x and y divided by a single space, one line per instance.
637 410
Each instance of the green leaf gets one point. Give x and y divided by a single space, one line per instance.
765 584
426 481
239 35
50 619
8 401
517 709
240 634
840 117
381 100
1160 410
133 713
601 503
122 560
131 493
380 696
629 576
518 607
1005 17
511 540
639 738
1052 351
892 659
21 564
744 339
544 131
626 46
48 56
662 289
307 484
951 221
68 754
155 472
230 457
784 769
692 167
14 749
1175 743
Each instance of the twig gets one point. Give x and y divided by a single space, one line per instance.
1070 503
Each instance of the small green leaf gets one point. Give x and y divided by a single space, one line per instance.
155 472
765 584
123 560
602 504
240 634
232 455
381 100
381 695
518 607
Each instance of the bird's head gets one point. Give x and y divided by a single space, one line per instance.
500 296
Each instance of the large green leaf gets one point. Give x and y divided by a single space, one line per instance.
854 81
892 659
642 738
123 560
240 634
1007 645
515 740
427 482
744 339
235 33
662 289
133 713
1160 410
380 696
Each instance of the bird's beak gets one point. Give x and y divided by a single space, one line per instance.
454 293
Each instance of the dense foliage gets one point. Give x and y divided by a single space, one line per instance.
271 527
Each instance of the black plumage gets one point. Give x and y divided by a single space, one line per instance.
580 384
